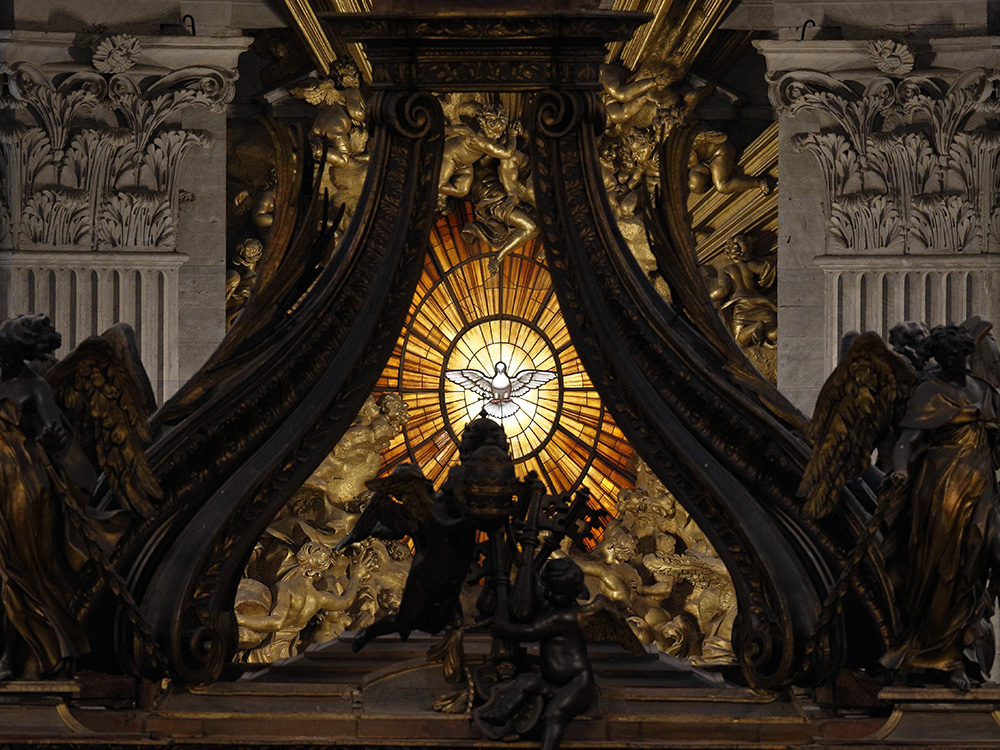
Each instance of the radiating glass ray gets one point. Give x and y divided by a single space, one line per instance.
462 318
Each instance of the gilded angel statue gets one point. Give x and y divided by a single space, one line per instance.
61 424
940 427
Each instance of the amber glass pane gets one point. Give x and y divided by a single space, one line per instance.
462 318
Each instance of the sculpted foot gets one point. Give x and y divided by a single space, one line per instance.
360 640
960 681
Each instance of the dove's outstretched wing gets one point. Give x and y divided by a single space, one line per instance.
400 505
472 380
861 402
525 380
104 392
985 360
600 621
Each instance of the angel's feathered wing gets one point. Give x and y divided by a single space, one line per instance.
401 503
525 380
105 393
471 380
600 621
862 400
985 360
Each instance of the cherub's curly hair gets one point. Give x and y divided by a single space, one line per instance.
27 337
950 337
314 555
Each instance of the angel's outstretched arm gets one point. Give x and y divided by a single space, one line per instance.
273 622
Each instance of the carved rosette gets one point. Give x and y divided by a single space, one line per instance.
911 165
116 54
74 184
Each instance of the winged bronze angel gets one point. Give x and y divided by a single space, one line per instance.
61 423
935 430
405 504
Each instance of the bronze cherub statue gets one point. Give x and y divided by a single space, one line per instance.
565 680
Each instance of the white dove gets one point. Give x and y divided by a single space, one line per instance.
500 389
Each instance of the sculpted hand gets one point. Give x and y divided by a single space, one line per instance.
54 436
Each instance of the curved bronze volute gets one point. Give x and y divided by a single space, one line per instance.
262 430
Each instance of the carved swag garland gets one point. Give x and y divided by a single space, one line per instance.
70 180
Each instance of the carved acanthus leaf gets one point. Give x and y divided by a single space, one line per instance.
56 217
866 222
837 159
943 222
910 139
117 169
138 218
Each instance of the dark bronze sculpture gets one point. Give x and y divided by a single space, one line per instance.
565 679
940 502
404 504
58 422
946 458
477 494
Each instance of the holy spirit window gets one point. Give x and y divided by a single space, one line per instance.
497 328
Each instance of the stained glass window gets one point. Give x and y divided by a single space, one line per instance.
464 319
